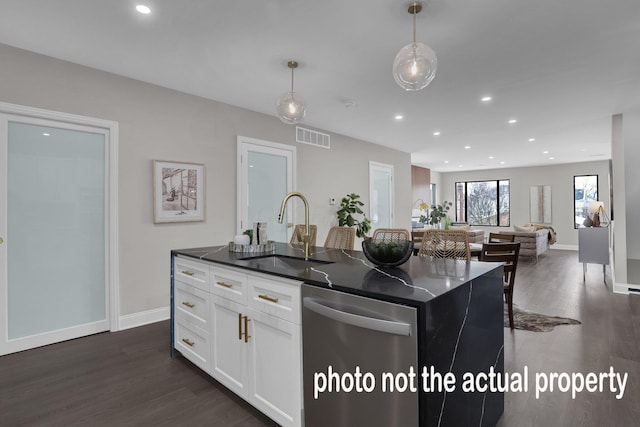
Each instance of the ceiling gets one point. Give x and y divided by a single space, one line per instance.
561 68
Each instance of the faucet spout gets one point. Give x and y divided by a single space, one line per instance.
306 238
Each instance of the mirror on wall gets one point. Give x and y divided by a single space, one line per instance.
540 204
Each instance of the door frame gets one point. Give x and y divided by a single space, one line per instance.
242 177
110 129
377 166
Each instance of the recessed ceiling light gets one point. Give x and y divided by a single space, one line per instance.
512 121
545 152
459 166
436 133
491 157
399 117
46 134
145 10
552 158
502 163
486 98
467 147
531 139
446 161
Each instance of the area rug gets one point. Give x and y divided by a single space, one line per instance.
534 322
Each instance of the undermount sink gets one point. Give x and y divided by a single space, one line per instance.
284 262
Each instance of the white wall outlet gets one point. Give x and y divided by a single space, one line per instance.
332 201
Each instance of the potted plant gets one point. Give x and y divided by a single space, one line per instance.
437 214
350 206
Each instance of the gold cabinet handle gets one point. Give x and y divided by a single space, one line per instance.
246 329
1 240
188 342
243 320
188 273
188 304
225 284
268 298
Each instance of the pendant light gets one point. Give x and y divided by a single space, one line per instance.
416 63
290 106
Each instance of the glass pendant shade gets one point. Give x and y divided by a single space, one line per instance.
415 66
291 108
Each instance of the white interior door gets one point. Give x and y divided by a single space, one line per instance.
381 195
266 173
54 262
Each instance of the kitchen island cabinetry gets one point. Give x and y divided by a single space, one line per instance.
190 307
458 330
249 339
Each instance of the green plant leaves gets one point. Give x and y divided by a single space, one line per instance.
350 206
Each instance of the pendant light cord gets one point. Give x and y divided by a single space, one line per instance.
414 23
292 79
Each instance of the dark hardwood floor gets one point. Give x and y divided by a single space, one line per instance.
125 378
129 379
609 336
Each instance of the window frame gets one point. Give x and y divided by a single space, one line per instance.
465 190
586 207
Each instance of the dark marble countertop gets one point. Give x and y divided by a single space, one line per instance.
417 281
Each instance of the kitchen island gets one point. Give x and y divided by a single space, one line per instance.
458 305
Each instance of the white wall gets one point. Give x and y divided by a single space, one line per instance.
631 137
559 177
158 123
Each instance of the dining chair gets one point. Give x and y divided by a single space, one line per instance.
508 254
391 234
445 244
501 238
416 236
298 232
340 238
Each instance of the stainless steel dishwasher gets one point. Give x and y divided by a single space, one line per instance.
345 331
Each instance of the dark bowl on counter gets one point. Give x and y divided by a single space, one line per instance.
387 253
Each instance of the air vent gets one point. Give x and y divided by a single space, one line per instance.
311 137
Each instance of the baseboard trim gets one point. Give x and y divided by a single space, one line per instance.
564 247
626 288
141 318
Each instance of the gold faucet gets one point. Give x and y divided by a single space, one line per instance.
306 238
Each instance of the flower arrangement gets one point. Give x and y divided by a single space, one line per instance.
422 208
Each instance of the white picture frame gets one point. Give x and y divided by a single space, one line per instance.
178 191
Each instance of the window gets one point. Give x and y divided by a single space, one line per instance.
585 190
432 191
483 202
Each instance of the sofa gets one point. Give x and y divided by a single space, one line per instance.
475 236
532 243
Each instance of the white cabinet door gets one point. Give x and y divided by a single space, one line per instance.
275 383
228 348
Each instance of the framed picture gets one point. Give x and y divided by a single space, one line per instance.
178 192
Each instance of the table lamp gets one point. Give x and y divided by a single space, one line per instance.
600 218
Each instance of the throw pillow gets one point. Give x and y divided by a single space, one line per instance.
524 229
